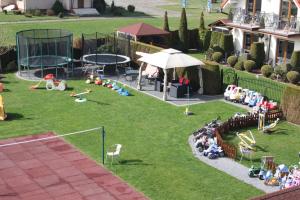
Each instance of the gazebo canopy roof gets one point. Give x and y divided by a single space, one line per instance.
142 29
169 58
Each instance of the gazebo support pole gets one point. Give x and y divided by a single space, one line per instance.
165 85
139 87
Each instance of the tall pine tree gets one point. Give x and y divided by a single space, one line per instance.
100 5
183 31
166 22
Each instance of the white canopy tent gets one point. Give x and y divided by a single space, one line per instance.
167 59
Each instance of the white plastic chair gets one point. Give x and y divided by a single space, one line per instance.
115 153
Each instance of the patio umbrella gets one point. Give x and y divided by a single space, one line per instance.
169 59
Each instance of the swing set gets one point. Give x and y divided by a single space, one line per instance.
261 123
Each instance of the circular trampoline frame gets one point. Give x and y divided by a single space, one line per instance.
44 48
102 62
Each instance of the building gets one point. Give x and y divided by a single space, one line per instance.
274 22
47 4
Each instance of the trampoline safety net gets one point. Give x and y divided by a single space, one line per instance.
42 48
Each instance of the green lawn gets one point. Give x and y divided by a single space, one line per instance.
156 157
10 17
283 144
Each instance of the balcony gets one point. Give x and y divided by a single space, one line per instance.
274 24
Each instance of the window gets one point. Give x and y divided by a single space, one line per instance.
285 9
250 5
284 50
248 40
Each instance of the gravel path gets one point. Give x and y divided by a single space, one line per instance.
232 168
150 7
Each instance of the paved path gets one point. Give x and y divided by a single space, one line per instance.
55 170
232 168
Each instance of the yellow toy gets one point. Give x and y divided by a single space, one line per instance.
2 112
261 124
247 140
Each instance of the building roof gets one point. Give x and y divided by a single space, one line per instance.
225 2
290 194
142 29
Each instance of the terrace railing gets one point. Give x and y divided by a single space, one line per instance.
273 22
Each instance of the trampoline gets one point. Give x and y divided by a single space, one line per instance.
44 48
104 53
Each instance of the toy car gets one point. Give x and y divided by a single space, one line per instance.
248 97
254 171
254 99
228 91
236 94
243 95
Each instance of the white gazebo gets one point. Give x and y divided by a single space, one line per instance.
166 59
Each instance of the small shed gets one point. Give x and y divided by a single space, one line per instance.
144 33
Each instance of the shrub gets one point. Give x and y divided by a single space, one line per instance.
290 104
211 78
183 31
112 7
279 71
249 65
118 11
50 12
217 56
60 15
58 7
262 22
293 77
266 70
257 53
295 61
232 60
100 5
17 12
215 38
239 65
131 8
5 12
227 44
286 67
209 54
202 23
217 48
166 22
206 40
37 12
11 66
28 14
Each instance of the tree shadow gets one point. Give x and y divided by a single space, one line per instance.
98 102
14 116
278 131
262 149
133 162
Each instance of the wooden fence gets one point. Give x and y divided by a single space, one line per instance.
239 123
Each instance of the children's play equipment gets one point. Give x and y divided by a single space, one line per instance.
187 111
52 83
80 96
2 111
247 139
228 91
262 126
42 48
236 94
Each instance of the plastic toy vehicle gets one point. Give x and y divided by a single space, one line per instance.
213 152
254 99
244 95
236 94
228 91
248 97
254 171
52 83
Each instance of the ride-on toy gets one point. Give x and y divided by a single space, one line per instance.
228 91
236 94
80 98
248 97
52 83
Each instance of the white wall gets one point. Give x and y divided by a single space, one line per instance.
271 6
38 4
6 2
238 36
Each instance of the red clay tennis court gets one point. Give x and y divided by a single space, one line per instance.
54 170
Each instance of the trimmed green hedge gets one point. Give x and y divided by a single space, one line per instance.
257 53
291 104
212 81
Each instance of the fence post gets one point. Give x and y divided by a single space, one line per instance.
103 142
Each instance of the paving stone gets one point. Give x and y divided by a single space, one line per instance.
21 180
6 164
57 163
29 164
89 189
11 172
68 171
39 171
104 196
59 190
20 156
45 181
84 163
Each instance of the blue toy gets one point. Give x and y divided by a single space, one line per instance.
123 92
254 99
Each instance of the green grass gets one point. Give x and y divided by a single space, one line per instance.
283 143
156 157
10 17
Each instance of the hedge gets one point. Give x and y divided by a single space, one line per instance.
192 74
291 103
215 39
295 61
257 53
226 44
6 57
206 40
212 81
194 39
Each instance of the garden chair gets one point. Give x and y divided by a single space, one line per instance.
114 152
245 152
